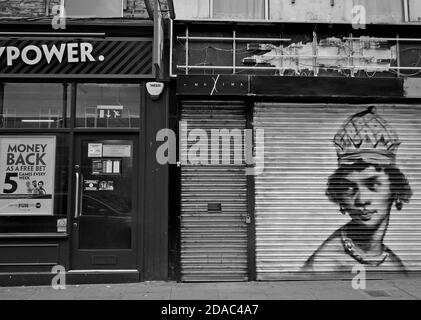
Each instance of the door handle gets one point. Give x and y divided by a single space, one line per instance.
78 196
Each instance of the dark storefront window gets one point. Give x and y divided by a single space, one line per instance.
35 165
34 183
34 105
108 105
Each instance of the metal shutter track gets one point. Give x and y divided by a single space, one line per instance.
293 215
214 243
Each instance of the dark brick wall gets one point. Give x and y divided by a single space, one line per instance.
26 8
22 8
37 8
52 3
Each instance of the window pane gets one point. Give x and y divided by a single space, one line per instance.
108 105
415 10
238 9
34 105
188 9
24 208
378 11
307 11
94 8
105 220
382 11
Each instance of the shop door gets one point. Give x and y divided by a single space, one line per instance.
105 202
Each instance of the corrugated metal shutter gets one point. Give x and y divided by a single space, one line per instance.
293 215
213 202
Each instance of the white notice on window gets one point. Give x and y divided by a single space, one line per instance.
116 166
116 150
94 150
108 166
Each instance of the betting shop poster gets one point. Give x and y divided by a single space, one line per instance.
27 166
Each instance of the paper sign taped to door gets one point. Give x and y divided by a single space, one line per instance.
94 150
116 166
62 225
116 150
106 186
90 185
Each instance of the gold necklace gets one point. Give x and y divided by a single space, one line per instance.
358 255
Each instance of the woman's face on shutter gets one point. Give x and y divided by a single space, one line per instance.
366 196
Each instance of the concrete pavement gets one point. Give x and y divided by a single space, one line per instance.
407 288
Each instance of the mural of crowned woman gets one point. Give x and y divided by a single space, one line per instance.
366 184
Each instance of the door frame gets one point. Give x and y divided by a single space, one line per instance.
78 258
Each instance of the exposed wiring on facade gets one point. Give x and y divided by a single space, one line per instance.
366 56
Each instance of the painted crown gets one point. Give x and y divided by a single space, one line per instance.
368 137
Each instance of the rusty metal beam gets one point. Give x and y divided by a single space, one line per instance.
171 8
149 8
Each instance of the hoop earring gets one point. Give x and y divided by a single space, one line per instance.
398 204
342 210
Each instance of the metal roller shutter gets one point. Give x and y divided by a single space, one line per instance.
213 201
292 212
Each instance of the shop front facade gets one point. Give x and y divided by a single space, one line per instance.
334 114
81 190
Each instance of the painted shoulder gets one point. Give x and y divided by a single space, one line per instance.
393 262
330 256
